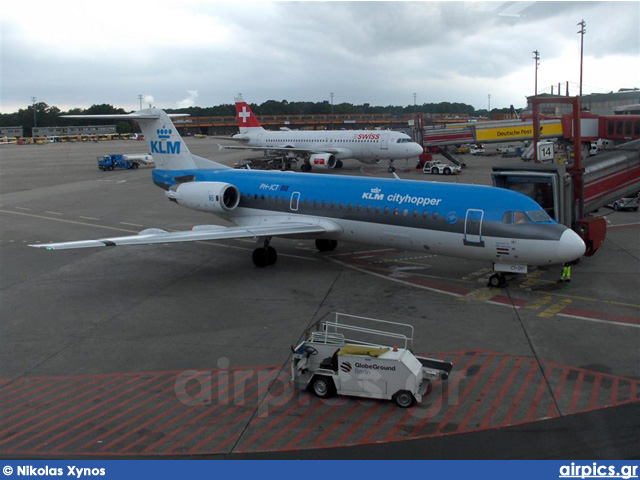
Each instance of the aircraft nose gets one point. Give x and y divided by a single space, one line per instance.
571 246
416 149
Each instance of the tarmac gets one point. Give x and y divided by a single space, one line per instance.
183 350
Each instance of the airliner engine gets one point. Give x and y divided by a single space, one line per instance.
215 197
322 160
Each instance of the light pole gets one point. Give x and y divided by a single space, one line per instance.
536 57
140 98
35 122
489 106
331 94
414 102
582 31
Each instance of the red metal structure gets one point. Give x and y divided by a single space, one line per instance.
576 171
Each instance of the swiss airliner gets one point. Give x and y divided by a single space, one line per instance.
496 225
323 149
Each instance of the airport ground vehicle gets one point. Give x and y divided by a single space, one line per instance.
119 161
510 151
438 168
345 355
476 150
115 162
626 203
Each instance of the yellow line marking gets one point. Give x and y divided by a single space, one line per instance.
479 295
556 308
539 303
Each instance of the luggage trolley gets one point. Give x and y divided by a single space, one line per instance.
364 357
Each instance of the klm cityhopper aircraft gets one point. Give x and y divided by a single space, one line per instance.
467 221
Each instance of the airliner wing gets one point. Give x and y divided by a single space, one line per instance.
198 233
283 149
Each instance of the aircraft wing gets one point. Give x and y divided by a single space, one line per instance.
198 233
282 149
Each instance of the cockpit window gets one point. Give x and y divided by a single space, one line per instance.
539 216
506 218
520 217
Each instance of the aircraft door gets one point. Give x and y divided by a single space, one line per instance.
384 141
295 200
473 228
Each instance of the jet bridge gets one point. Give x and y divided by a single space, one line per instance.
605 177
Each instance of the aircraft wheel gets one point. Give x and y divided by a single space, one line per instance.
272 255
391 169
305 168
339 164
497 280
326 245
260 257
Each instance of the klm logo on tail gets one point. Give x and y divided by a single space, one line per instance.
167 147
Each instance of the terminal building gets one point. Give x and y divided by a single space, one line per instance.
11 132
65 131
618 103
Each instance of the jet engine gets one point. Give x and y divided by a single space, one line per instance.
322 160
214 197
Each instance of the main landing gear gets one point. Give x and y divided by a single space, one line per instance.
326 245
266 255
391 168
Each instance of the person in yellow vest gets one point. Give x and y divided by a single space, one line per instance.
566 272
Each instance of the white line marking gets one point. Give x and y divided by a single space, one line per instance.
597 320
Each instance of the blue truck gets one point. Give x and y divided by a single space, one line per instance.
115 162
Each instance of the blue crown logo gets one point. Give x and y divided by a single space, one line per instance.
164 132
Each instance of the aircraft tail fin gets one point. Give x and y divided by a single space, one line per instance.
247 121
166 146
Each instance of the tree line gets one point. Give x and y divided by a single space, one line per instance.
51 116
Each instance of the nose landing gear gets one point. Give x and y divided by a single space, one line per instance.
497 280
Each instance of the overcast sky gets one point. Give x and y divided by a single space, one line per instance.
186 52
